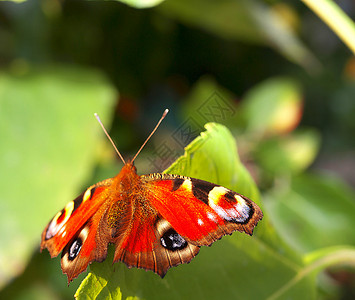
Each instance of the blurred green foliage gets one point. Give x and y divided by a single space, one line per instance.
269 71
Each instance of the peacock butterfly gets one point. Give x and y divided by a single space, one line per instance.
155 221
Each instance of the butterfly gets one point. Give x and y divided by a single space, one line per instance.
155 221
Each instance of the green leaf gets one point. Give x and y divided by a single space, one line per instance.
232 267
289 154
315 262
313 213
272 107
49 137
213 157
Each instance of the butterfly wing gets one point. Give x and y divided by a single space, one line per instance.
152 244
184 214
74 230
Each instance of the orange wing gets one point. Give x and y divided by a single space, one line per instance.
74 230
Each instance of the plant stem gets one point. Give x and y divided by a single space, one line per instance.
317 261
336 19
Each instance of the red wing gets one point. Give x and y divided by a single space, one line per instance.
74 228
201 212
152 244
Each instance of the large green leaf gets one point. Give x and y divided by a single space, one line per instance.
237 267
48 140
314 212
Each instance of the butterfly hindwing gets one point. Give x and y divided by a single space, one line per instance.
154 245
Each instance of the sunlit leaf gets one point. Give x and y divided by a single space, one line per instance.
272 107
288 154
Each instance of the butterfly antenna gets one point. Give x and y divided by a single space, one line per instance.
108 136
155 128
